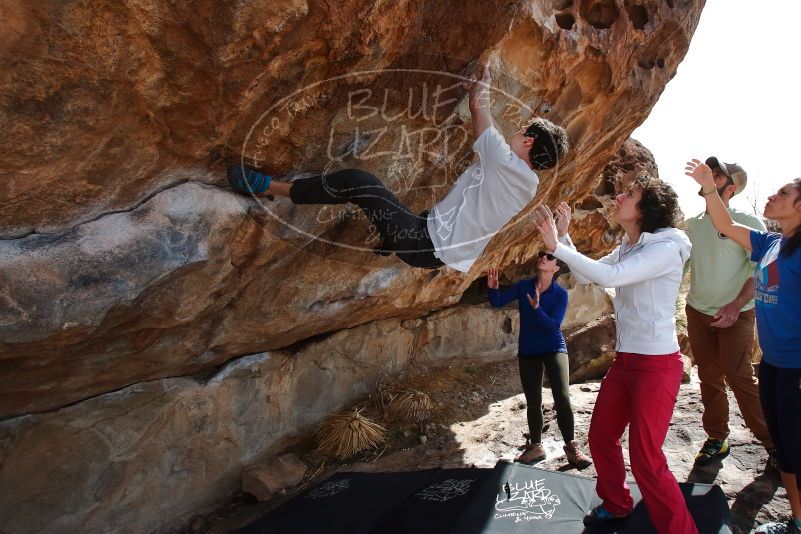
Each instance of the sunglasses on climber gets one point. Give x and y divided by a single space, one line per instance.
550 257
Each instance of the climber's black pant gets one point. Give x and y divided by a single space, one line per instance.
403 232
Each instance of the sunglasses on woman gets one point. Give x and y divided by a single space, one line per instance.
550 257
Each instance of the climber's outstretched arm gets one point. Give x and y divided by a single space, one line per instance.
480 102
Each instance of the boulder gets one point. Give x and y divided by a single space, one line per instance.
685 347
586 303
687 365
277 474
153 454
123 256
591 349
593 369
592 228
157 332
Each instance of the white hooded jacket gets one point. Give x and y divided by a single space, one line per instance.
646 277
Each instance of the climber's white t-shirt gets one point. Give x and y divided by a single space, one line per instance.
485 197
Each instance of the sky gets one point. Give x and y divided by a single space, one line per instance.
736 95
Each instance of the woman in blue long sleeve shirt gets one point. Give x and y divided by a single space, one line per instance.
542 304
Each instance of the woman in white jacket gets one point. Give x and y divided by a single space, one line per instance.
640 388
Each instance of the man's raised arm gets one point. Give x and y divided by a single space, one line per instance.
480 102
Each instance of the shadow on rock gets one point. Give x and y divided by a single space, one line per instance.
752 498
705 474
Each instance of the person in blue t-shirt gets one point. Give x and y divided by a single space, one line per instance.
542 303
777 281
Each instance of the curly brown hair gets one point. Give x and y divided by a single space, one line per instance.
658 206
551 144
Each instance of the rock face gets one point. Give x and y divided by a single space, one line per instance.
126 268
154 452
595 232
266 479
592 349
148 315
136 459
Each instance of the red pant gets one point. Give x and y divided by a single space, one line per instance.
639 391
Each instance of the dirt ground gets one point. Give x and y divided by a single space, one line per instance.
478 418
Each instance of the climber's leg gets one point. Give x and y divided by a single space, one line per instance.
401 230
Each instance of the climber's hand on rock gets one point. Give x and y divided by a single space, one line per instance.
480 90
486 76
480 102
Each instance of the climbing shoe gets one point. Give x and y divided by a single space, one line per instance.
599 516
712 451
247 180
790 527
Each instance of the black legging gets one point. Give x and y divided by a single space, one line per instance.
780 393
556 365
403 232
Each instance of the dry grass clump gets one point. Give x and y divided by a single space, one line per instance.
413 405
383 393
345 434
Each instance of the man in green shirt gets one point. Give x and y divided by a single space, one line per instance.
720 320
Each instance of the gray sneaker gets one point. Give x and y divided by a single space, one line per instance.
790 527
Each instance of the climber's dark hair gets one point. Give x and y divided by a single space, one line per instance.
551 144
659 204
794 239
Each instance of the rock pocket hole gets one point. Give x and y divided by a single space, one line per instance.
600 14
670 4
638 16
660 63
559 5
566 21
507 325
646 64
589 204
605 188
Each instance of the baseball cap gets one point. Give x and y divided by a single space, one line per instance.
732 170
